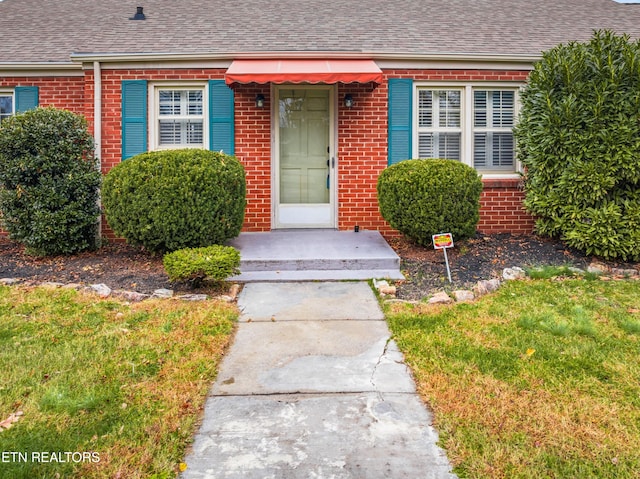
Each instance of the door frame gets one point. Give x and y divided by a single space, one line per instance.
276 222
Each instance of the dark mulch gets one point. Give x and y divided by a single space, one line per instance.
117 265
121 266
483 257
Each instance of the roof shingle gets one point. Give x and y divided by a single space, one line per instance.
36 31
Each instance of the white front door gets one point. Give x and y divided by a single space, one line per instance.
304 193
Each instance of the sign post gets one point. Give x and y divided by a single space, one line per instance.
443 241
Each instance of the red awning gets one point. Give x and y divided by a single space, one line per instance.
303 71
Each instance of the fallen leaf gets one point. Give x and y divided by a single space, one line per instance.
13 418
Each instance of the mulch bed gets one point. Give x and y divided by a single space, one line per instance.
118 265
480 258
121 266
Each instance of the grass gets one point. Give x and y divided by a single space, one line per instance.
540 380
107 389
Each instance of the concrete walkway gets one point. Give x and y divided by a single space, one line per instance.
313 387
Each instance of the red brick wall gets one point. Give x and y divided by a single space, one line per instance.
112 106
60 92
501 208
362 140
362 155
253 149
362 150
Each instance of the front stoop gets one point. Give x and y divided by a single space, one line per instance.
315 255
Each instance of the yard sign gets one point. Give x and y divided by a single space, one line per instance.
443 241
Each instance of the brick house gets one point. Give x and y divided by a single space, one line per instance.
315 98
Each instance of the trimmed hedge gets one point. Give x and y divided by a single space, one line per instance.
579 138
49 182
424 197
174 199
214 263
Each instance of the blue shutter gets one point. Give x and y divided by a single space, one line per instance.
134 117
400 119
221 113
26 98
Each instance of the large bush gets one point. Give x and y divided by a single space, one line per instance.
421 198
579 139
49 182
174 199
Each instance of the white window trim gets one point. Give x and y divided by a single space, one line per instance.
154 102
466 118
11 93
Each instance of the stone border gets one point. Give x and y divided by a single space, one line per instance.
103 291
483 287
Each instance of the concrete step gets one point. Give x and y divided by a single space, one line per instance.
309 255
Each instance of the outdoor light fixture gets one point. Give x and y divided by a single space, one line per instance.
259 101
348 100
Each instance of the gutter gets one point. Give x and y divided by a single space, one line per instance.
38 66
385 56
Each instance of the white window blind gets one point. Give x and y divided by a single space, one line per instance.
493 120
439 124
180 117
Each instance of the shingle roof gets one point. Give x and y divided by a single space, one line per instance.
44 31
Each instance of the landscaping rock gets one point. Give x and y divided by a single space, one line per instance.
234 291
51 284
101 289
487 286
440 298
193 297
463 295
9 281
597 268
162 293
132 296
624 272
575 270
76 286
514 273
384 287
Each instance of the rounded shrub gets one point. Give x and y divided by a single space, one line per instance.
173 199
49 182
214 263
424 197
579 139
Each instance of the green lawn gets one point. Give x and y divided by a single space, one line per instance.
105 389
540 380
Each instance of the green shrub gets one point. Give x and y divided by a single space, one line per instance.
174 199
421 198
579 139
49 182
215 263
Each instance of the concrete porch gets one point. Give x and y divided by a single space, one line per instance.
315 255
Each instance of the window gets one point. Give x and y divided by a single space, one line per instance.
439 127
6 105
179 117
472 124
493 120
